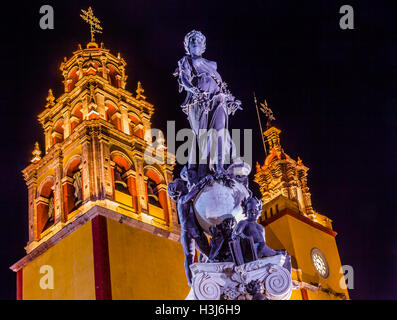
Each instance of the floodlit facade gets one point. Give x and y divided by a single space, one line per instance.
100 220
292 224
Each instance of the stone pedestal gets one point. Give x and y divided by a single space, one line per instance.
226 281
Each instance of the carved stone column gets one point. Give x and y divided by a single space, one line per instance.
97 191
173 213
32 225
163 199
116 120
68 196
104 68
58 191
112 166
130 175
67 127
85 171
100 100
125 124
147 135
47 135
105 168
140 183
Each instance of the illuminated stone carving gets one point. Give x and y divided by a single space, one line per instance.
218 190
226 281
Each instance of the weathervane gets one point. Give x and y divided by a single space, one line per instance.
88 16
268 113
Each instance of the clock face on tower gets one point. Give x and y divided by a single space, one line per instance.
320 263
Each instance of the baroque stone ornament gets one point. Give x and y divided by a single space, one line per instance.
226 281
214 200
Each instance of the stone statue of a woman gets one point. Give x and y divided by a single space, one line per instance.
208 105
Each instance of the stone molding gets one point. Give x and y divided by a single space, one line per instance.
83 219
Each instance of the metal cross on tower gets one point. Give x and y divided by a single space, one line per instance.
88 16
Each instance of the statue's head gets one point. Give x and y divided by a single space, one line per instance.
190 176
252 207
176 189
194 43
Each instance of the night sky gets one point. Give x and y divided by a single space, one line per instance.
332 91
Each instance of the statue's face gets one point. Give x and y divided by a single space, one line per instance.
196 46
252 211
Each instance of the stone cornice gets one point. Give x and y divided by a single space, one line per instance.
300 217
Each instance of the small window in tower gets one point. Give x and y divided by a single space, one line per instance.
265 214
152 193
276 208
120 181
271 212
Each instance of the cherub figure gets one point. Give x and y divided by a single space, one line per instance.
250 228
192 235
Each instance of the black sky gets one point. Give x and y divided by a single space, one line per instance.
333 93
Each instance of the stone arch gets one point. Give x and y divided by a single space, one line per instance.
154 173
58 131
76 115
135 118
73 77
113 114
123 177
72 164
121 158
43 189
134 121
113 75
156 191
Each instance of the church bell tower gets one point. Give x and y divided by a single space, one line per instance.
291 223
101 225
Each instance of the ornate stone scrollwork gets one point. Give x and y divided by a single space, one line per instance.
278 283
206 288
226 281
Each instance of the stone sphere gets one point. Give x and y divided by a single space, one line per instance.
217 202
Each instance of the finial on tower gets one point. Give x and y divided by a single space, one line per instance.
50 99
36 153
299 161
139 92
95 27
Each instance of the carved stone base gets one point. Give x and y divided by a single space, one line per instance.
226 281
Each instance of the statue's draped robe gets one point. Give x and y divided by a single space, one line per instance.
211 113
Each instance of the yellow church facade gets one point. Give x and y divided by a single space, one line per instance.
99 216
292 224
